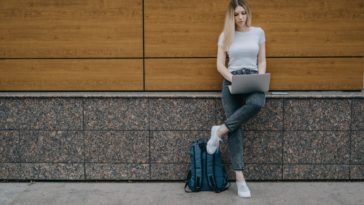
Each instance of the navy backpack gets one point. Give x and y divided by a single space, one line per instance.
206 172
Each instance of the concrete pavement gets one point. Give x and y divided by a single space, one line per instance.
152 193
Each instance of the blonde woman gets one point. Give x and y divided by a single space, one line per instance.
245 47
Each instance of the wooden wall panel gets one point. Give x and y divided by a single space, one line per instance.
70 29
183 28
181 74
311 27
71 75
316 73
287 74
311 44
187 28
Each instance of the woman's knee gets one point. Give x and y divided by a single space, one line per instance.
256 100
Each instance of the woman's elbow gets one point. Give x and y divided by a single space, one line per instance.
262 61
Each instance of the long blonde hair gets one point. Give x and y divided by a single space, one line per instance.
229 26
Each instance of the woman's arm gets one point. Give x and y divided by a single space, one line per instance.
220 64
262 63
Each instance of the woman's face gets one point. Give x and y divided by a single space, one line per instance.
240 17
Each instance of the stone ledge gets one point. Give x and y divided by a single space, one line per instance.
98 138
108 94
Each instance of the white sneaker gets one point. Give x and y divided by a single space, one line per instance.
243 189
214 141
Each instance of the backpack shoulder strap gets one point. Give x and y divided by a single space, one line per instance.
210 167
198 165
211 177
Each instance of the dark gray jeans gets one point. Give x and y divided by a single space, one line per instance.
239 108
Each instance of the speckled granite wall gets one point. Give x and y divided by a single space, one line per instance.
147 138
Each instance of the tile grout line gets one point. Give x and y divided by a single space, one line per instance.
84 139
149 140
283 134
19 156
177 163
169 130
350 136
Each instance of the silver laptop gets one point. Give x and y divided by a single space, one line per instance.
242 84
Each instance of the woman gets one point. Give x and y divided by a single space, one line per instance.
245 47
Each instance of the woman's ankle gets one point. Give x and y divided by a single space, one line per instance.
239 176
222 130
